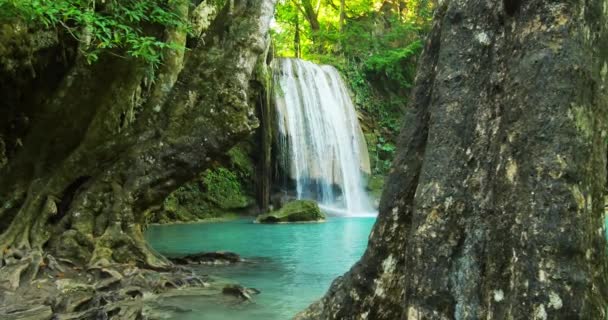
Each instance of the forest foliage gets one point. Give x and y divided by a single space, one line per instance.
374 43
129 26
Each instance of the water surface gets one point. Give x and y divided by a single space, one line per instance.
292 265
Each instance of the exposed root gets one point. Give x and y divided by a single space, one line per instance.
115 245
19 268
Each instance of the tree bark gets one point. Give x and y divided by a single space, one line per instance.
108 146
342 14
311 15
296 38
494 207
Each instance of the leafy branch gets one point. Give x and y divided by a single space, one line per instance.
111 24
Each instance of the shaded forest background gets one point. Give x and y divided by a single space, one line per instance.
374 43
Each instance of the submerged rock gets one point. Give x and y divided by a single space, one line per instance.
212 258
294 211
239 291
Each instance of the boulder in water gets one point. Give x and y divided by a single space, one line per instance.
294 211
239 291
213 258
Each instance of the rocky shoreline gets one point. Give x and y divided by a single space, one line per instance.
205 220
41 287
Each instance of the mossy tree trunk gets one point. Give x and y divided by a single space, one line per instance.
106 144
494 207
265 102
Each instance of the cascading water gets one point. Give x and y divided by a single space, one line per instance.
320 139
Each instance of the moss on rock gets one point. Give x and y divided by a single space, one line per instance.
294 211
215 193
375 184
223 189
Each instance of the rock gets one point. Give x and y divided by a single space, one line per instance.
240 291
212 258
278 200
294 211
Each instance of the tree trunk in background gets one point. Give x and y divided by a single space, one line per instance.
107 146
296 38
342 14
311 15
494 207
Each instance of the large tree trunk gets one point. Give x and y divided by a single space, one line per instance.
107 146
494 208
311 15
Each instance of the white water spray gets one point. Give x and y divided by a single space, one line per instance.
321 140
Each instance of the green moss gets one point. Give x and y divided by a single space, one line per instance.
224 189
216 193
583 119
241 162
375 185
294 211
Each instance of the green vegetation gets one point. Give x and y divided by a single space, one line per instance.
221 192
375 186
125 25
374 43
224 189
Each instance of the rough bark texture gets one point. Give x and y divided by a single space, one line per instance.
106 145
265 134
494 208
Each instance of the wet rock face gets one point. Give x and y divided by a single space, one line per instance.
494 205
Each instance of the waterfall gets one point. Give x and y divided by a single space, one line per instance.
322 146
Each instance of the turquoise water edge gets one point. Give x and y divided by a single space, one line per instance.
292 264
